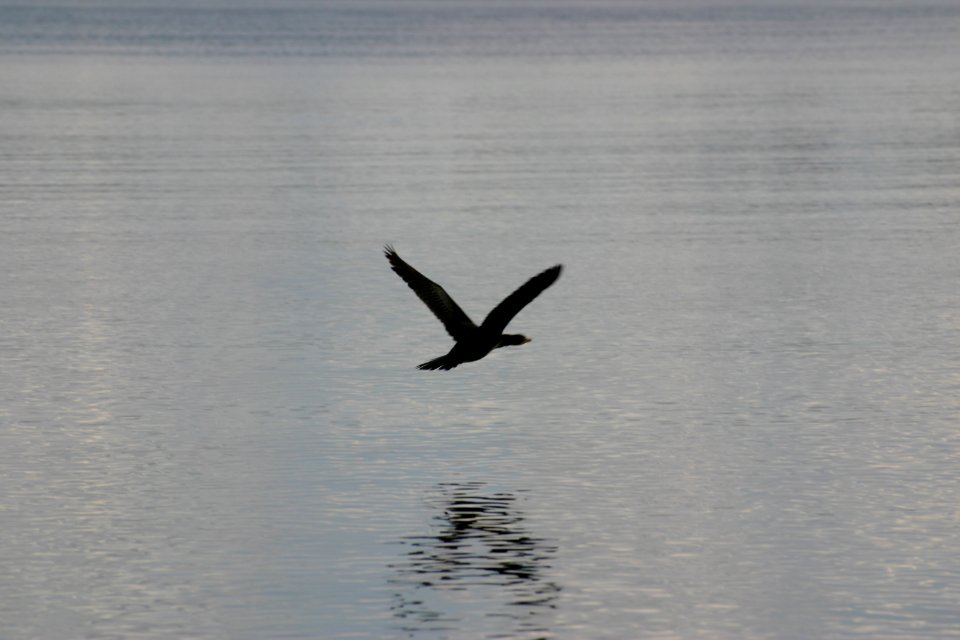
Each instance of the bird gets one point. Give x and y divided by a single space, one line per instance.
471 342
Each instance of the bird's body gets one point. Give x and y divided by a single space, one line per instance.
472 342
470 350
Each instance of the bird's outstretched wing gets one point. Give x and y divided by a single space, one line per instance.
456 322
498 319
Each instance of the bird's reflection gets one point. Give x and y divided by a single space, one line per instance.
480 569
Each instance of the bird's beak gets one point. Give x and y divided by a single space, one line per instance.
526 340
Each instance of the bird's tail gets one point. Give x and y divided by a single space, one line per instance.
444 362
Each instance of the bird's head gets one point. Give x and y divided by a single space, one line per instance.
511 339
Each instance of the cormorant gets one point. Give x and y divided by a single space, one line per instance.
472 342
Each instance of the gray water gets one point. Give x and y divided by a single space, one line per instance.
738 417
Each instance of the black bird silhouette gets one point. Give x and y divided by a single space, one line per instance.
472 342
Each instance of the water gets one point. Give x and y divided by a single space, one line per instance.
738 415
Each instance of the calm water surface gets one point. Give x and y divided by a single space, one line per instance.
739 414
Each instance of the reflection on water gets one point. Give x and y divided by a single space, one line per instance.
480 561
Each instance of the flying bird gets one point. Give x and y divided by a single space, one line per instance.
472 342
